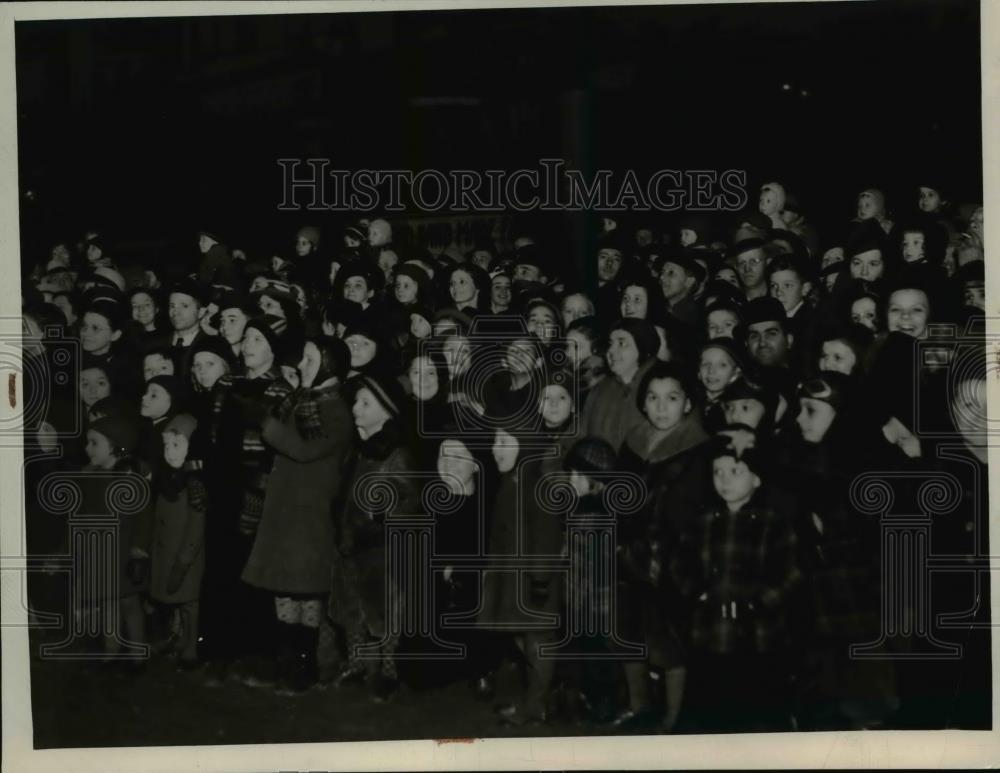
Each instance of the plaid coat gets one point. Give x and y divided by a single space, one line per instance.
737 571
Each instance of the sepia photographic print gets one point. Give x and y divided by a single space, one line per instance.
509 385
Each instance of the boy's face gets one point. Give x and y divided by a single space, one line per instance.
99 450
455 461
974 295
419 327
423 377
728 274
175 449
788 287
257 354
913 246
157 365
505 448
768 343
838 357
665 404
908 312
609 263
96 335
94 386
362 348
369 415
675 282
929 200
814 419
542 322
716 370
576 306
733 480
356 289
751 265
623 354
143 309
208 368
867 266
232 324
405 289
500 291
720 323
744 411
155 402
578 347
556 405
634 302
864 312
184 311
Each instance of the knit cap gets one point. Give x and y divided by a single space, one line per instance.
216 345
647 341
829 387
735 351
170 384
591 454
271 327
388 391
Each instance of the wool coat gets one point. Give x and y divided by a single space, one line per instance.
179 539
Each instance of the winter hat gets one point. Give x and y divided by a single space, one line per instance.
188 286
272 328
216 345
112 405
764 309
857 337
735 351
532 255
745 245
171 385
647 341
829 386
418 275
744 388
388 391
723 447
233 299
423 312
281 292
372 274
755 219
356 232
122 430
365 328
310 233
463 320
112 312
864 237
110 275
591 454
724 292
183 424
684 259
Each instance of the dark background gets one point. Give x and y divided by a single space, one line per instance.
150 128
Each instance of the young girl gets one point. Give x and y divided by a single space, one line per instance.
178 542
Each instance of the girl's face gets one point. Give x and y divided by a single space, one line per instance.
864 312
542 323
720 323
929 200
419 327
814 419
461 288
505 449
635 302
156 365
175 449
208 368
913 246
94 386
269 305
96 335
716 371
788 288
363 350
867 206
908 312
356 289
578 347
257 354
665 403
423 378
184 311
455 462
155 403
310 364
232 323
728 274
837 356
623 354
556 405
575 306
143 308
405 289
744 411
867 266
500 291
456 352
369 414
99 450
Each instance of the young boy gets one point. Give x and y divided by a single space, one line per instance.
157 362
680 278
737 567
790 285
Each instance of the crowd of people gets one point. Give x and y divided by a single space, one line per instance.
745 368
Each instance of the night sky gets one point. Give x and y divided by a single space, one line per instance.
153 127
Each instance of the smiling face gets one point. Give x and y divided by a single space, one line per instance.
768 343
908 311
635 302
94 385
143 308
175 449
542 323
609 263
665 404
716 371
500 291
423 378
155 402
814 419
555 405
462 288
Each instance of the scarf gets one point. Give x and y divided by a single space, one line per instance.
303 404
